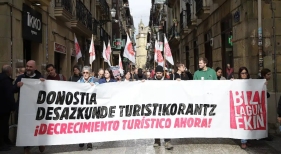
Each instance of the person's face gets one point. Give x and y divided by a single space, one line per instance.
159 75
106 74
181 68
267 76
228 65
202 64
51 71
219 73
136 71
86 74
147 74
128 76
30 68
244 74
76 71
101 73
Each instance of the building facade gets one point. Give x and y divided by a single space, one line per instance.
141 43
43 30
235 32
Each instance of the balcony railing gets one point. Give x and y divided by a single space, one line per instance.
66 4
83 14
199 5
188 14
95 26
104 8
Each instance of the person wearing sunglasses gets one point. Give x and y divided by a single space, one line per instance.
86 78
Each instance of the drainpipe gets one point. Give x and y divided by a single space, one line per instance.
260 36
273 7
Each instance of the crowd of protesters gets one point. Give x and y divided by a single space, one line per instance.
9 87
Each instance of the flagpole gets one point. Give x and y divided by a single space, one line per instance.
103 65
111 60
164 55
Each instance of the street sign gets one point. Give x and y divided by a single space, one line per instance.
118 43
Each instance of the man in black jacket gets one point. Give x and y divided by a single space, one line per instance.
30 73
159 75
7 102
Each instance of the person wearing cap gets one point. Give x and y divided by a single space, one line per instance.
159 75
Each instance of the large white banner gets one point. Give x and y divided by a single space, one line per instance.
59 112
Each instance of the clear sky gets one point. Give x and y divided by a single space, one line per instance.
140 9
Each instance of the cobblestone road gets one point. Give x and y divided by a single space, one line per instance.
181 146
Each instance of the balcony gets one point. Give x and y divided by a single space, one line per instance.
173 37
97 2
95 31
63 9
170 3
41 2
183 22
104 9
82 19
202 8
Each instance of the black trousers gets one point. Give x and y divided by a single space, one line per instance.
4 128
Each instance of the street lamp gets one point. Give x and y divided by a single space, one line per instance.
113 12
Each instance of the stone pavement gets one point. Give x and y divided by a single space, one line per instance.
181 146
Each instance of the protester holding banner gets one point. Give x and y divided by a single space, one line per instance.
77 74
159 75
219 74
30 73
243 73
86 78
180 74
204 72
7 102
52 74
101 73
108 77
127 77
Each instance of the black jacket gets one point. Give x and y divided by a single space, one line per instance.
75 78
7 100
267 94
16 89
161 79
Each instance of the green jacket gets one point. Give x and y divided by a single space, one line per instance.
209 74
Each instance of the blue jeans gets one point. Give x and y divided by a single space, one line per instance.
243 141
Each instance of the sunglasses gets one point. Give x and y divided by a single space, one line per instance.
85 72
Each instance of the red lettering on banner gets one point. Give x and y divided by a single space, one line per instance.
70 128
247 110
50 129
63 128
56 128
192 122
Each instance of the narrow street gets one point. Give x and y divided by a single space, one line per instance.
181 146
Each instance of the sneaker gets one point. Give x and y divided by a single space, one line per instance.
5 148
81 145
89 147
168 145
41 148
156 143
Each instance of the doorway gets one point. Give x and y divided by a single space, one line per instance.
208 49
196 55
227 48
57 62
26 51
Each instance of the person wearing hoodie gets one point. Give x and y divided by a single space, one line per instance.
204 72
76 74
30 73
